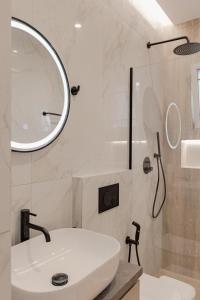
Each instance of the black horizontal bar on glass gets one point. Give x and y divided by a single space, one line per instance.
50 113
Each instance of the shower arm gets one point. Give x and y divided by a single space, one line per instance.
149 45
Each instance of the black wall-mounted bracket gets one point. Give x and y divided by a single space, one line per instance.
75 90
149 44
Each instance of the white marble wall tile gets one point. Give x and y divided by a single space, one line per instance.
21 199
114 222
4 180
5 64
48 164
5 278
23 9
77 200
5 105
5 119
21 168
156 71
52 202
5 289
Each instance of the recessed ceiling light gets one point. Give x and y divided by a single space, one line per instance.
14 51
78 25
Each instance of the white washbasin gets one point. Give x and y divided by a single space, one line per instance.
89 259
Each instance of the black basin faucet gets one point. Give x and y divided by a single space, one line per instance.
26 226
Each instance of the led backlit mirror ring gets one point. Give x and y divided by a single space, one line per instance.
29 147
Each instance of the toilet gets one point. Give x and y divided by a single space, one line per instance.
165 288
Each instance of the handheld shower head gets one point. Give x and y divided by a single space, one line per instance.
158 144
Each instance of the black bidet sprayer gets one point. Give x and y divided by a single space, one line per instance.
135 242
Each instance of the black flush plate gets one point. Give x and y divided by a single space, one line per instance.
108 197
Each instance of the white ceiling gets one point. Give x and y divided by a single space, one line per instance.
180 11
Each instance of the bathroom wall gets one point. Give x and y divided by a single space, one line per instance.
181 241
114 222
5 150
97 56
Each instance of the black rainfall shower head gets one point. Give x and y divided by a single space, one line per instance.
187 49
184 49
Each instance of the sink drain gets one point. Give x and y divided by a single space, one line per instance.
59 279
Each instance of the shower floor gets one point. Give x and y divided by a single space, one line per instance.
194 282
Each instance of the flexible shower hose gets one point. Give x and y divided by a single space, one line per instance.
159 163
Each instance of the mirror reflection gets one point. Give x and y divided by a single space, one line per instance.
40 90
173 125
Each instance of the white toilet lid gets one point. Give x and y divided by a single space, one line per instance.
186 291
165 288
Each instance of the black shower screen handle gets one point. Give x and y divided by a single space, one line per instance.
131 119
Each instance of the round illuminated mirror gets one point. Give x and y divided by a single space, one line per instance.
40 98
173 125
